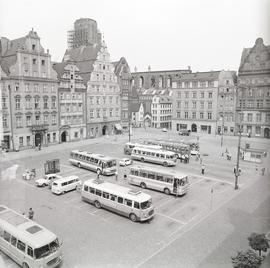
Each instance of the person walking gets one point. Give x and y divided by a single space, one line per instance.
30 214
116 175
203 168
263 170
234 169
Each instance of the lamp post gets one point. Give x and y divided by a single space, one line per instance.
237 171
222 124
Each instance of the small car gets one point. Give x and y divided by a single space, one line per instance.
125 162
164 130
47 180
184 132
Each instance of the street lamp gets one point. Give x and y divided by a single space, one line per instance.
222 125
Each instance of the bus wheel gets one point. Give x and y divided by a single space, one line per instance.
79 165
167 191
165 164
133 217
143 185
97 204
25 265
43 185
142 159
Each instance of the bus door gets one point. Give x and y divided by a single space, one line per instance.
175 185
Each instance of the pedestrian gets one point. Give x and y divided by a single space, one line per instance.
234 169
39 146
256 168
187 158
263 170
116 175
203 168
30 214
181 158
125 175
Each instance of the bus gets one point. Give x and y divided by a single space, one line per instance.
26 242
169 182
135 205
162 157
130 145
99 163
178 147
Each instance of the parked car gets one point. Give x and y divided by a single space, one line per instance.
184 132
125 162
164 130
47 180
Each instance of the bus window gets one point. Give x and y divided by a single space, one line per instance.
153 154
7 236
13 241
159 177
136 205
136 172
105 195
162 155
30 251
157 155
128 202
98 192
85 188
151 176
120 200
92 190
88 158
21 246
113 197
143 174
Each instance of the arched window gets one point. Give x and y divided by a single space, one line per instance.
169 81
160 82
153 81
141 81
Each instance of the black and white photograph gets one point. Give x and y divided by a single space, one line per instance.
135 134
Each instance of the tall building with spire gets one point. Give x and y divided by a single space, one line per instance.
85 33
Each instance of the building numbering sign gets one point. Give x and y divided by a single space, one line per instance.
52 166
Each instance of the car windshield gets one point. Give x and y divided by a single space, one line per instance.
146 204
47 249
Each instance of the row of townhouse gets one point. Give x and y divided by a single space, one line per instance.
215 102
45 102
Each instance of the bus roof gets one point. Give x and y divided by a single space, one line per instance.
154 150
173 143
152 146
63 179
24 229
98 156
118 190
162 171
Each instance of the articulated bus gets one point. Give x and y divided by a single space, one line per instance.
26 242
169 182
179 148
130 145
96 162
135 205
162 157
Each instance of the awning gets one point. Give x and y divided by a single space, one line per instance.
118 127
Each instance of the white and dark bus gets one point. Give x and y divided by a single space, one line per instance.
169 182
162 157
130 145
135 205
26 242
99 163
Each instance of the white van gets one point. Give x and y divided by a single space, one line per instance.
65 184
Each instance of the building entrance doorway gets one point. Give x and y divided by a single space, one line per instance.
193 128
38 139
104 130
64 136
267 133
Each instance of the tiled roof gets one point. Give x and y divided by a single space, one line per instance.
59 68
134 106
212 75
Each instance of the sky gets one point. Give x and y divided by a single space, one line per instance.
166 35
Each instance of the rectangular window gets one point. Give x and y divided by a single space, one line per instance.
54 137
210 95
18 103
45 103
202 105
195 84
27 88
186 94
193 115
46 119
18 121
7 236
179 95
201 115
202 95
36 103
193 105
194 95
13 241
34 61
249 118
91 113
210 105
45 88
4 103
36 89
258 117
53 103
28 121
186 114
21 246
209 115
30 251
258 130
28 140
178 114
120 200
186 104
128 202
53 119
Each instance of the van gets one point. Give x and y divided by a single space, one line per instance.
66 184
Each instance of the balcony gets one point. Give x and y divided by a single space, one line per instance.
39 127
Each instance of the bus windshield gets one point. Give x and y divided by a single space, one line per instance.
111 163
146 204
47 249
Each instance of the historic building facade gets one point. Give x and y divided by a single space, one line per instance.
103 93
195 101
157 79
161 110
123 74
29 93
253 98
226 115
72 102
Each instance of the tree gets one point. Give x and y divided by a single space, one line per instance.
258 242
247 259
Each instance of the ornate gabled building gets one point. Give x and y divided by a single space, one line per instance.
72 102
253 99
29 93
103 93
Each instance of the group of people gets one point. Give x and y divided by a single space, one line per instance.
30 214
184 158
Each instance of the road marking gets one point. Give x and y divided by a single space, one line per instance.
211 178
196 182
164 203
173 219
188 229
71 200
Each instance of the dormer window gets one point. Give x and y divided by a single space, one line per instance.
33 47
